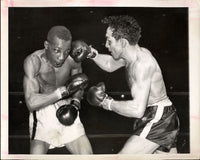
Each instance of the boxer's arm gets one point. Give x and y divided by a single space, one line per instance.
76 71
34 99
140 92
107 63
76 68
80 51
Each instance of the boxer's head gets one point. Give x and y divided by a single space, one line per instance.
121 30
58 45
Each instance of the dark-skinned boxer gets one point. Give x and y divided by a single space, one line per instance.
53 86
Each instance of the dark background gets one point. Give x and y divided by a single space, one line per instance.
164 33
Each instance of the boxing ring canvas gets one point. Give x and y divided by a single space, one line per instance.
165 32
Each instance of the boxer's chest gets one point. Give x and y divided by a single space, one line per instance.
50 78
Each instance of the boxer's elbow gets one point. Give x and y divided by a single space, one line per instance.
109 67
138 113
141 111
109 70
138 109
134 114
31 104
31 107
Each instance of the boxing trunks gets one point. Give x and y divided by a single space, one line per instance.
44 126
160 124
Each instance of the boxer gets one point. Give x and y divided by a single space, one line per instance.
54 85
157 124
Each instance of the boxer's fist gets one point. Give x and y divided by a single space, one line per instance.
96 96
80 51
75 83
67 114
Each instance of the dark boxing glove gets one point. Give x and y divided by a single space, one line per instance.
80 51
96 96
67 114
75 83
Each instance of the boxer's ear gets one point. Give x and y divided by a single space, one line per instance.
124 42
102 86
46 44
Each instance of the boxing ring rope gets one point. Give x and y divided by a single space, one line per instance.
92 135
116 93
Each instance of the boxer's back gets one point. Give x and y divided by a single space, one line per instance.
157 86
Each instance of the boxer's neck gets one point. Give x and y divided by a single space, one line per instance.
131 53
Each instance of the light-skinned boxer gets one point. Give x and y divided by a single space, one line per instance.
157 125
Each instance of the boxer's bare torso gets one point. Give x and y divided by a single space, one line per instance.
143 75
148 80
41 78
49 78
157 91
147 87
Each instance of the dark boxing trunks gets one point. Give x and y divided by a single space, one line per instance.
160 124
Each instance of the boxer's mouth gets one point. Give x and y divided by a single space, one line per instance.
59 64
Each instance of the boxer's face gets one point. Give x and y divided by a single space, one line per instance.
57 50
113 45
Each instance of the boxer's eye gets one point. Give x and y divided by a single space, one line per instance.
57 50
66 52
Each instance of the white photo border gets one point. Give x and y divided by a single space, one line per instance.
194 73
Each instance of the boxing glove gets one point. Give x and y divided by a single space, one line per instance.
80 51
96 96
76 82
67 114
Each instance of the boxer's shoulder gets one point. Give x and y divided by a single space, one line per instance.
36 56
33 61
145 59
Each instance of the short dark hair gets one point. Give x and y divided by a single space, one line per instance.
59 31
124 26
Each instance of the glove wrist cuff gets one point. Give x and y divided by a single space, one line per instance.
106 103
61 92
58 93
109 104
76 102
93 53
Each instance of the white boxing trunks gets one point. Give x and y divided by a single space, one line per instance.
44 126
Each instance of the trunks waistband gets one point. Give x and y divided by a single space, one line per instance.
162 103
